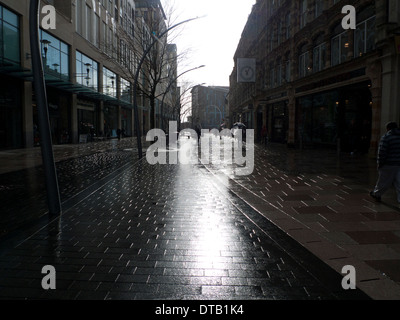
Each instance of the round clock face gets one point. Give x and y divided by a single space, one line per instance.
247 73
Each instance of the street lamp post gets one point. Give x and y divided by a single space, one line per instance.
53 195
135 106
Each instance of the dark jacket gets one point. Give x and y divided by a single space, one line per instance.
389 149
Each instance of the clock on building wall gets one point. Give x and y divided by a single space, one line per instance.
246 70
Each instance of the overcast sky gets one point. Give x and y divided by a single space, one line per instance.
213 39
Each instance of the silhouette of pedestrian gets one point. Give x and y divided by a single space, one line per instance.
264 135
198 132
388 162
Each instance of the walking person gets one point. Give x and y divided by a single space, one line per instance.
388 162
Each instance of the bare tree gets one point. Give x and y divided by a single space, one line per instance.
133 36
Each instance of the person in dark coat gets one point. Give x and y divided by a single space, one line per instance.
264 135
388 162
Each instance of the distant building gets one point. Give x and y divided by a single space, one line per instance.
317 84
209 106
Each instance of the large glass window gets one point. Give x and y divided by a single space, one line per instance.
303 13
86 71
303 63
9 36
340 48
364 37
125 90
319 54
109 82
55 55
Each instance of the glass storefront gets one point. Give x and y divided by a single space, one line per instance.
339 115
10 114
317 122
87 121
279 122
355 119
126 121
110 121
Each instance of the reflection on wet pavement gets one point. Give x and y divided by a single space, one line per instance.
164 232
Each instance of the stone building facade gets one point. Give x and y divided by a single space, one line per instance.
318 84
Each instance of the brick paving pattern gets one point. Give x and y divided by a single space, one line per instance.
161 232
136 231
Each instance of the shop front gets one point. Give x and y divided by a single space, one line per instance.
338 118
110 121
126 121
88 120
279 121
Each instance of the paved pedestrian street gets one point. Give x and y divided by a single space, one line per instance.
134 231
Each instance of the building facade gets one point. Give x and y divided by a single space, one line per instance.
89 61
209 107
318 84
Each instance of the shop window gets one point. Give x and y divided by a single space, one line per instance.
317 122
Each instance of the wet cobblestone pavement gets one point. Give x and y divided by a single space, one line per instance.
190 232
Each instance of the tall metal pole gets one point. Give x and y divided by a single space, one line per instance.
135 106
53 195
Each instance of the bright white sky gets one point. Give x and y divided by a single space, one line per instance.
212 39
